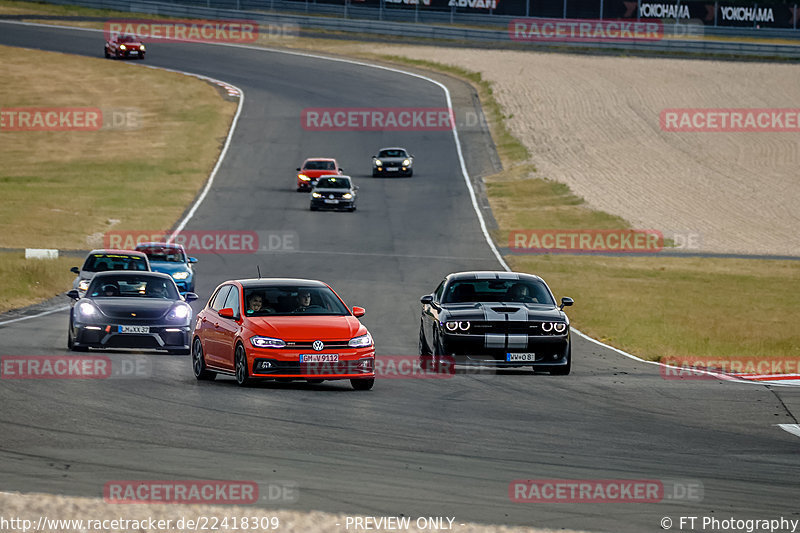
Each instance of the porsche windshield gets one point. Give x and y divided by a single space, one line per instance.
133 287
333 183
392 153
519 291
292 300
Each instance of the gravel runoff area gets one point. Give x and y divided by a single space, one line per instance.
33 506
592 122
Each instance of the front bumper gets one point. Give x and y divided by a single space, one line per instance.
507 351
400 171
279 363
130 54
319 203
159 337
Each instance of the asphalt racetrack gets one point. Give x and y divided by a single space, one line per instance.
416 447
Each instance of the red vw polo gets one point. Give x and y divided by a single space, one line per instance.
285 329
312 169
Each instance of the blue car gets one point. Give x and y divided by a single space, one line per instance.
170 258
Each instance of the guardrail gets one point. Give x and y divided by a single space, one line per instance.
434 32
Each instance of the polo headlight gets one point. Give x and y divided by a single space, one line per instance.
363 341
378 163
267 342
347 195
180 312
316 195
303 177
83 285
87 310
406 162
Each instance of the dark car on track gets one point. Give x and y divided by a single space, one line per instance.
131 310
124 47
282 329
390 161
498 319
107 259
334 192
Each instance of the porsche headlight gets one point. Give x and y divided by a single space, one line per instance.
303 177
361 342
180 275
406 162
83 285
179 312
378 163
87 310
347 196
316 195
267 342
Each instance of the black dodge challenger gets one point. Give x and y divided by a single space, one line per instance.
499 319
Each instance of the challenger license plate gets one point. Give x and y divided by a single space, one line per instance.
331 201
134 329
511 357
320 358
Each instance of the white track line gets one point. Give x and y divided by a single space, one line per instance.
456 138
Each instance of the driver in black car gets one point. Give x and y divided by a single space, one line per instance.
519 292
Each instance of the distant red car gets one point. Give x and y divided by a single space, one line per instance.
312 169
283 329
125 46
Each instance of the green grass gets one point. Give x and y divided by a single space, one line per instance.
30 280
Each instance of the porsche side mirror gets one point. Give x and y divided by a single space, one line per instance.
566 301
75 270
226 312
191 296
73 294
359 311
427 299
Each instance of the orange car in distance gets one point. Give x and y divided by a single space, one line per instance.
313 168
282 329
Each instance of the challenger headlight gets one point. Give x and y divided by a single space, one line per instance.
83 285
179 312
378 163
560 327
406 162
463 326
361 342
316 195
347 196
547 327
180 275
267 342
451 326
87 310
122 47
303 177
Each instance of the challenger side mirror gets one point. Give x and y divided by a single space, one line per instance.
566 301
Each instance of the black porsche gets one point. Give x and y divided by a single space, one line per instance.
123 309
499 319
